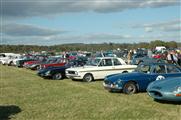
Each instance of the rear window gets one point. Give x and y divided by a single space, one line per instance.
172 69
116 62
159 69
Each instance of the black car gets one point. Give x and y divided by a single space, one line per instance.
58 73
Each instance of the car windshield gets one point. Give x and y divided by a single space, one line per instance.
93 62
143 68
51 60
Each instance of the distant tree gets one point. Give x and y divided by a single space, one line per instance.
86 47
172 44
155 43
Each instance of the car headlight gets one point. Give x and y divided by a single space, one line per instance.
33 65
106 78
178 89
47 73
76 73
119 81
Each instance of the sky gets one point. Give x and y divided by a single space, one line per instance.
45 22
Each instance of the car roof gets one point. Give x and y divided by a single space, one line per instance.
105 57
155 63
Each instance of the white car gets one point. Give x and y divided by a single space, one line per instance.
8 58
98 68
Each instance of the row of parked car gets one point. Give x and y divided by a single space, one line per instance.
161 80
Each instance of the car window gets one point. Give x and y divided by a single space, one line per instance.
106 62
143 68
94 62
159 69
116 62
172 69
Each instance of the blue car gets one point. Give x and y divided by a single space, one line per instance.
167 89
143 75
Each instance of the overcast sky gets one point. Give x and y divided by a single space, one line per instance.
52 22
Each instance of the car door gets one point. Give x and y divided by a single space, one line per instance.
118 67
105 68
172 71
159 72
146 76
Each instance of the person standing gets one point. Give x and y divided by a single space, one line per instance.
129 56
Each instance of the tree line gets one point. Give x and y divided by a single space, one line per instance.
87 47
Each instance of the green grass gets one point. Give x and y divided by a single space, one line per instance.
25 96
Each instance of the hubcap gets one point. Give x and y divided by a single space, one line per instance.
88 78
130 89
58 76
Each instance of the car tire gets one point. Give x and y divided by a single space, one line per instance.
57 76
37 67
10 64
130 88
88 77
125 72
140 62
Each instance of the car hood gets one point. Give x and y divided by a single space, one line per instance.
126 76
51 69
82 68
166 84
87 68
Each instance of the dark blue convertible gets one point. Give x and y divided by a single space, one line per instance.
58 73
144 74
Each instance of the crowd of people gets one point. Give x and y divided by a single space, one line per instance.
170 56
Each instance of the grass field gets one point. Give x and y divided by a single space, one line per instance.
25 96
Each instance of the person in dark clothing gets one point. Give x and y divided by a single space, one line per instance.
172 58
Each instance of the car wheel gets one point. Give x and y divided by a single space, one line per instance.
57 76
88 78
140 62
130 88
37 67
125 72
11 63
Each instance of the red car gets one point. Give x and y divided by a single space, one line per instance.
31 62
157 56
57 63
28 63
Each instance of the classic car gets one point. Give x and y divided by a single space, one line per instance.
55 63
98 68
138 80
29 63
139 58
36 65
51 61
57 73
8 58
20 62
39 60
167 89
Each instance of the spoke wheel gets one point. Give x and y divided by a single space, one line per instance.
130 88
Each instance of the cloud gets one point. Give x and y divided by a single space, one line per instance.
148 29
169 26
61 39
159 3
27 8
21 30
86 38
